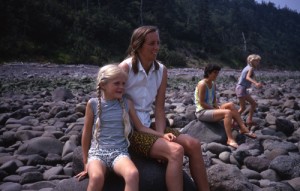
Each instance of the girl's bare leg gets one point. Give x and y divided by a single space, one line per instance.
126 168
96 171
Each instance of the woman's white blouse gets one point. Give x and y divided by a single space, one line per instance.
142 89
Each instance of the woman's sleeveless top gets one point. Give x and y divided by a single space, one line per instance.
209 96
142 89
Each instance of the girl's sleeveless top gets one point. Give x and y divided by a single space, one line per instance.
242 79
111 124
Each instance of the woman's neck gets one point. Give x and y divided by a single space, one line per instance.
146 64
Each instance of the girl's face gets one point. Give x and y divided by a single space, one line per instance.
255 63
114 89
150 47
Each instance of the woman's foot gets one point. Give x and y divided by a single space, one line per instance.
249 134
232 144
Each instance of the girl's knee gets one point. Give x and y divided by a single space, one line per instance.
96 179
132 174
253 105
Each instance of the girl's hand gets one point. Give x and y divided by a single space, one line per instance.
169 136
259 85
82 174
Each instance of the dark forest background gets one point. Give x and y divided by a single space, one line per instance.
193 32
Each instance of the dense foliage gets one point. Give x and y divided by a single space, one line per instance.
193 32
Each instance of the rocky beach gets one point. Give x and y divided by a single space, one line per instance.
42 110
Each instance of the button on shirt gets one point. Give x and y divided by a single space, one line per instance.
142 89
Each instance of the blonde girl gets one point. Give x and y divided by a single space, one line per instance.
245 80
106 131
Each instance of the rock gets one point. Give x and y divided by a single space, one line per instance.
152 175
227 177
206 132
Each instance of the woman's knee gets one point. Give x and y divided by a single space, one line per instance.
176 152
193 145
227 113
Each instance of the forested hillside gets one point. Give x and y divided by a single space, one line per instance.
192 32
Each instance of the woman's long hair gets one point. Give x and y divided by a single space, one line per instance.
137 41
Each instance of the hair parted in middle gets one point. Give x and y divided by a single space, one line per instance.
107 73
138 39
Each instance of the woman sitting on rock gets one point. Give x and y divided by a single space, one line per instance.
208 110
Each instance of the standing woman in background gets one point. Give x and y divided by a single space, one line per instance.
147 83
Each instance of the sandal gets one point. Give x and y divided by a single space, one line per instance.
249 134
233 144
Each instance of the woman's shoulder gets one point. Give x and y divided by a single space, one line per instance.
201 82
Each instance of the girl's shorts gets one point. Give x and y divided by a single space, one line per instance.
108 156
205 115
141 143
241 91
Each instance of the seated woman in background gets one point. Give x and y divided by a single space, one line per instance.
208 110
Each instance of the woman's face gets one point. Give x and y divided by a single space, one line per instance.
150 47
214 74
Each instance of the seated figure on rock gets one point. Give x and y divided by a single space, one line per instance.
208 110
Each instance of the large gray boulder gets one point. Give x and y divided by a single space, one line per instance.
228 177
152 176
205 131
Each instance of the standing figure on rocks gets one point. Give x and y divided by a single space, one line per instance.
207 108
245 81
147 82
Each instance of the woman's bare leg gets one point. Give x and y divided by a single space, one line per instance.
173 154
225 114
192 149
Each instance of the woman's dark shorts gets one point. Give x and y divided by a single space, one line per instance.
141 143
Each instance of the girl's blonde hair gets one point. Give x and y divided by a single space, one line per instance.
253 57
105 74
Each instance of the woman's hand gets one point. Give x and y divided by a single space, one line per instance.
169 136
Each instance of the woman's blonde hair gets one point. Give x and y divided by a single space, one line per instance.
105 74
253 57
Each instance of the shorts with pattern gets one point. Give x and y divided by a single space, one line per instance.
241 91
108 156
141 143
